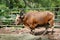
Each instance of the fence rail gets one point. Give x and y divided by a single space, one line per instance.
57 20
21 25
39 8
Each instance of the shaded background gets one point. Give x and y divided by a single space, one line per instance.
9 8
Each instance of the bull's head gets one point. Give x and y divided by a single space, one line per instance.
19 18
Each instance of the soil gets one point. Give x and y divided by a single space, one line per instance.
37 32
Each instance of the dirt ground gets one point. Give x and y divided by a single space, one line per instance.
38 32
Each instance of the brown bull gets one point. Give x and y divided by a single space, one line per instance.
33 18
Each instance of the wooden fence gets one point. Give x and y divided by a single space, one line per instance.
57 20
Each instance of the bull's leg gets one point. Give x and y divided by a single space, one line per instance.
46 29
52 30
32 27
32 32
51 22
26 26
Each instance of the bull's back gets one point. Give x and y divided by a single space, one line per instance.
38 17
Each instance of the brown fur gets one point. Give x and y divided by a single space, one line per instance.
33 18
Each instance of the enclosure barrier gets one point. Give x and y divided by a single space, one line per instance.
57 23
56 26
57 20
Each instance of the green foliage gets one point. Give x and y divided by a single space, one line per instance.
8 7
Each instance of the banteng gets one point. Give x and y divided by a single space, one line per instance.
33 18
